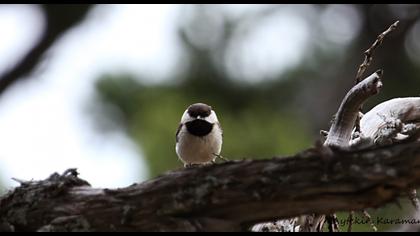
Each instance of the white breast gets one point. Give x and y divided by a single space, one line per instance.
196 150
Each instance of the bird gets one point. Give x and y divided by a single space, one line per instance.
199 136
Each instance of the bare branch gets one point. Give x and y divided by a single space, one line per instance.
20 181
350 220
339 135
412 195
366 62
369 52
369 220
230 196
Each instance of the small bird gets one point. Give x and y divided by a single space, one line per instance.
199 135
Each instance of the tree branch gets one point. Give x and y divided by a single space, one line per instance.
368 59
369 52
230 196
341 129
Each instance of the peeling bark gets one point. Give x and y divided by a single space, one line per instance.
339 135
406 110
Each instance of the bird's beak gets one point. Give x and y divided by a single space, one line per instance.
199 117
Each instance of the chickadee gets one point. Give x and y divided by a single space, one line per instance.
199 135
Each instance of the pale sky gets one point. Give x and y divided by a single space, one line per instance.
44 126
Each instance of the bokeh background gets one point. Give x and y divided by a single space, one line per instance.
107 94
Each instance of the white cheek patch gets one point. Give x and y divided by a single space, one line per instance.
212 118
186 117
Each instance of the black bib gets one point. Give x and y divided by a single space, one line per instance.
199 127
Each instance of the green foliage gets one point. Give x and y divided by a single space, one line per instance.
152 115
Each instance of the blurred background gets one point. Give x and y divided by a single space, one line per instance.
102 88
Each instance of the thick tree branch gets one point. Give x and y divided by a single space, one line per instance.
221 197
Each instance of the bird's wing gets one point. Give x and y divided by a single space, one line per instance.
220 127
177 132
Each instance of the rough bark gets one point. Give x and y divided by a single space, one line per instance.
231 196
